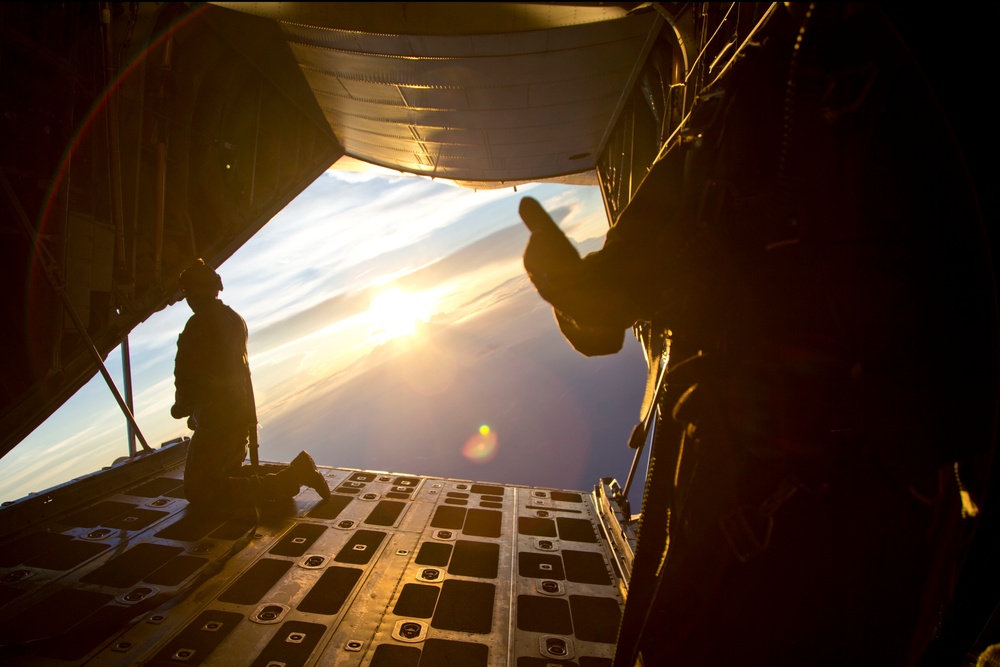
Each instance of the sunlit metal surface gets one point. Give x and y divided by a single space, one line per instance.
494 92
392 570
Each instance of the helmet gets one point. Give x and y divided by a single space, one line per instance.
200 278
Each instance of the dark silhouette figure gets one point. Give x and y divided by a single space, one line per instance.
817 251
214 390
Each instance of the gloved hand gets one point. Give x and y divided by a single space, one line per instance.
590 311
550 259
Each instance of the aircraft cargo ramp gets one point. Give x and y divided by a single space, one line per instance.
393 570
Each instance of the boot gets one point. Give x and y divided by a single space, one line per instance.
280 485
306 474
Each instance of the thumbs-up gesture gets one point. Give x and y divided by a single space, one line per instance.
585 310
550 259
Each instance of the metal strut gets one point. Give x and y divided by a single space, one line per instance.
657 359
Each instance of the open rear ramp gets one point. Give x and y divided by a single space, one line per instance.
392 570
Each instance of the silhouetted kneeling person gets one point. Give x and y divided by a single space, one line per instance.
214 390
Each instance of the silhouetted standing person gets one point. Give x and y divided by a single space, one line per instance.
214 390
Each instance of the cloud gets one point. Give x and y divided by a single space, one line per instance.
303 281
561 419
338 237
500 247
310 319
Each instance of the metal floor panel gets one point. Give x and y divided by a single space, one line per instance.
392 570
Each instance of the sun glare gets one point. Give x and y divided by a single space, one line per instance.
395 313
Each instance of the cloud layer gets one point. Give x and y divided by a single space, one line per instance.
488 354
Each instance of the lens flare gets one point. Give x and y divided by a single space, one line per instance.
482 446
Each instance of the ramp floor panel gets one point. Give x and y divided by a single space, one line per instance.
393 569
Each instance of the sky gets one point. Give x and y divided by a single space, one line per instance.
392 328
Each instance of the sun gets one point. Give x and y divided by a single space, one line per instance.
395 313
